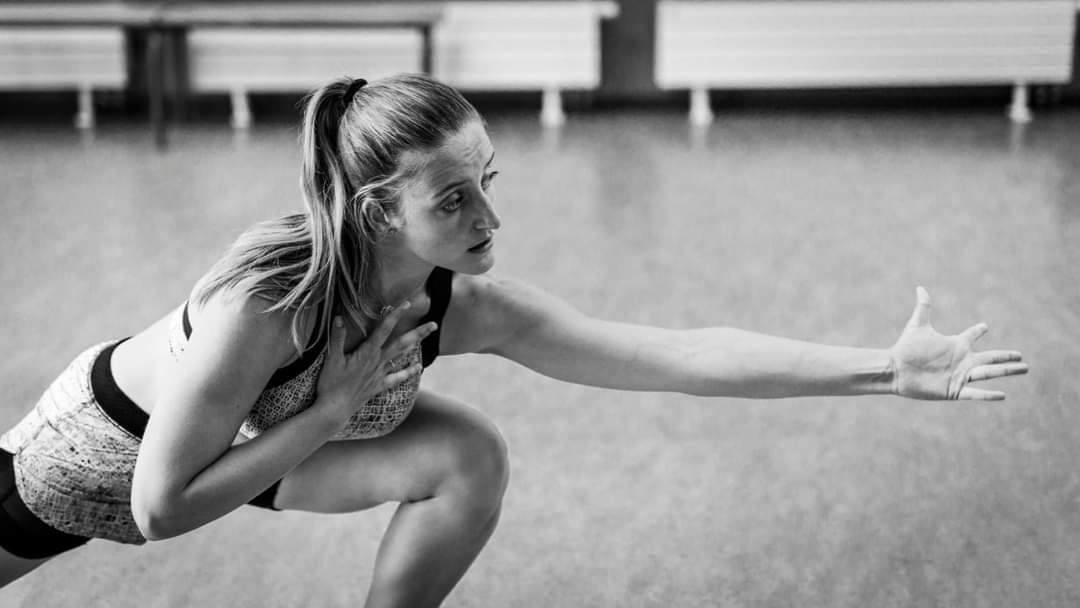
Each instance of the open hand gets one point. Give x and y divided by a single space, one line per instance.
350 379
930 365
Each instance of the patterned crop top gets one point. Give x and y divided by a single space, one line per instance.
292 388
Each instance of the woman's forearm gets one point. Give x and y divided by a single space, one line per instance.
733 362
550 336
241 473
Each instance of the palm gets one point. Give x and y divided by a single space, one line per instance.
930 365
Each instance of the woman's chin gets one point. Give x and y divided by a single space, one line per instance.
475 264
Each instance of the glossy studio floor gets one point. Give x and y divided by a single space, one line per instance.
805 222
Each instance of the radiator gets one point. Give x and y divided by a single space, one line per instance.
543 46
296 59
63 58
240 60
706 44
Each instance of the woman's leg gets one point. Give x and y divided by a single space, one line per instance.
26 542
446 465
13 566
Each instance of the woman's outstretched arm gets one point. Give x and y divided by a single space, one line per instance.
529 326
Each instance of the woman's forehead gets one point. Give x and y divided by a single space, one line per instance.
466 152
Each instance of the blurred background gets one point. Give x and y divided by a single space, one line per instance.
789 167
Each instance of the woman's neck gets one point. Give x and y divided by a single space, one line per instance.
400 279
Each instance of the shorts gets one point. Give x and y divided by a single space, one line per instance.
72 462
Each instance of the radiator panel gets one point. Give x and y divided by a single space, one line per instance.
297 59
520 45
59 58
838 43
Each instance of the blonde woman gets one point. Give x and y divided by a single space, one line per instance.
290 378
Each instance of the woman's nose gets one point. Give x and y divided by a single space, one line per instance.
488 220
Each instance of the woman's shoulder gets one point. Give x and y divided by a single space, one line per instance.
486 308
489 293
471 296
261 269
255 320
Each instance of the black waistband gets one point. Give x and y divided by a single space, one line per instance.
112 400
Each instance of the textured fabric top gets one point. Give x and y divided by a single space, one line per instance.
292 388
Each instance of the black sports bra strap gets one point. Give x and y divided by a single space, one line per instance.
438 288
187 322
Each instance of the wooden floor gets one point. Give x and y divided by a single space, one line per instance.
809 224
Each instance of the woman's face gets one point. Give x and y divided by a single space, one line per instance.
446 215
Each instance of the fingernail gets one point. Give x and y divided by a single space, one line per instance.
406 304
338 322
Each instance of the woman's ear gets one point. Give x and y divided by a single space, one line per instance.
376 216
389 223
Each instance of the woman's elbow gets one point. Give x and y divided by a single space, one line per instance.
151 523
152 516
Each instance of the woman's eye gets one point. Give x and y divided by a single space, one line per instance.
453 203
486 182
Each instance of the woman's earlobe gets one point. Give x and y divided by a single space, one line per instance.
377 217
389 226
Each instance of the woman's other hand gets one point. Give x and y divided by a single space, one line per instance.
350 379
929 365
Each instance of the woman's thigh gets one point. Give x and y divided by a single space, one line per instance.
439 440
13 566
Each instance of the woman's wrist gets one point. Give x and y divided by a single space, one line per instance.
891 374
330 415
875 373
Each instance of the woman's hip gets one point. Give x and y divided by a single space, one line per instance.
73 463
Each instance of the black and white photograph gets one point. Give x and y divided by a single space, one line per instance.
540 303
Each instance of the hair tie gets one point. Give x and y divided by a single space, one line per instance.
346 99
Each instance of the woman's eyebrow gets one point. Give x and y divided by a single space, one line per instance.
459 182
447 189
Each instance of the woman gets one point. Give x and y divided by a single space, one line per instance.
290 378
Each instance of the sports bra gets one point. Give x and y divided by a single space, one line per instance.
291 389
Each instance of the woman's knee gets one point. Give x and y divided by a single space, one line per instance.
476 461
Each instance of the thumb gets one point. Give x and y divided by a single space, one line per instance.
921 316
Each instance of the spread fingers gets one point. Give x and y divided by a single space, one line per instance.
977 394
395 378
987 372
408 340
992 357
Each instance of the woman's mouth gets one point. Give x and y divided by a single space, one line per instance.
482 246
